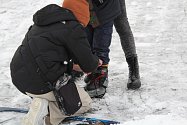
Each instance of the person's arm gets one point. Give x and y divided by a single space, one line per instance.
78 45
76 67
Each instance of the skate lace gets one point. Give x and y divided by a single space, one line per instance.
97 80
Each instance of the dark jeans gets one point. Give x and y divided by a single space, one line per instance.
100 40
123 29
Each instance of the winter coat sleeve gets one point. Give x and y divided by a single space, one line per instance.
79 46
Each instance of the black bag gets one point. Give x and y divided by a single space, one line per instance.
67 95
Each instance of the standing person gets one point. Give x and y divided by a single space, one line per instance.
99 32
98 80
127 41
41 65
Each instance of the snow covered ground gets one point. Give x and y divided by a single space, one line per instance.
160 30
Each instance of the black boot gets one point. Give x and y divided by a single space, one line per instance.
134 76
88 78
97 82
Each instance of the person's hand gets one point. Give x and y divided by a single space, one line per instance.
100 62
76 67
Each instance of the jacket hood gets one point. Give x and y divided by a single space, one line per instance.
51 14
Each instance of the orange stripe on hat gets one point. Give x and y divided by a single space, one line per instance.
80 9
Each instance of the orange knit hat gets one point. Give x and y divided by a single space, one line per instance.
80 9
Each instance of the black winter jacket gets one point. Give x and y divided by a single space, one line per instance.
55 38
107 11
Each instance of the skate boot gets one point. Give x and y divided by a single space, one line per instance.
97 82
37 112
134 76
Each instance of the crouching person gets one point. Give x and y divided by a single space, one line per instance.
41 65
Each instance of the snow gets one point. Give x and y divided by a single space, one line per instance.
159 119
160 30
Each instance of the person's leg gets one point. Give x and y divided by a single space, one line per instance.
102 40
55 114
97 82
125 33
127 41
85 99
38 110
